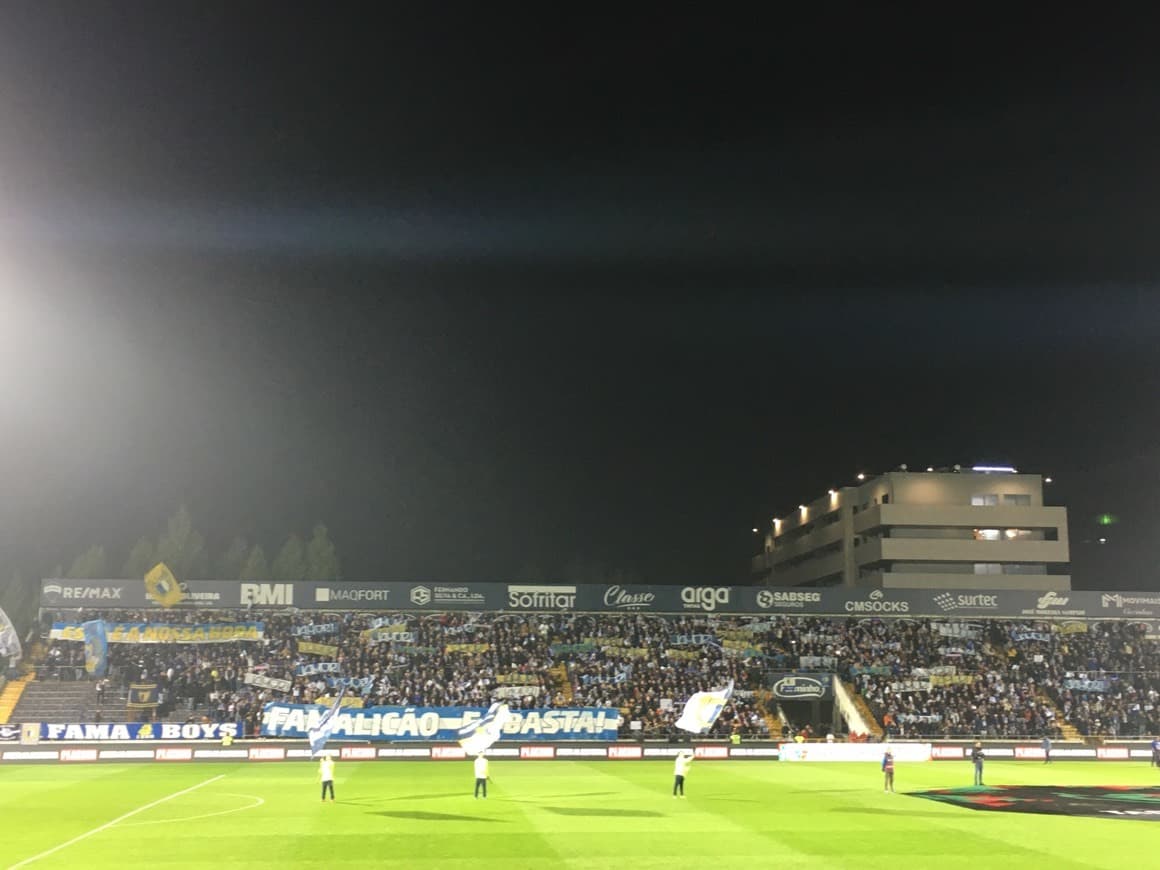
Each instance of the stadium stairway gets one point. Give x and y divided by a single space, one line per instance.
772 722
53 701
1068 731
10 697
561 682
863 708
35 653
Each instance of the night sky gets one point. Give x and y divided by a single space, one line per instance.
490 298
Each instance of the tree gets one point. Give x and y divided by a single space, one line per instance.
255 568
142 557
322 561
233 560
182 547
530 572
89 565
290 563
20 600
581 571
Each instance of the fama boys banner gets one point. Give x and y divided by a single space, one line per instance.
138 731
441 723
144 632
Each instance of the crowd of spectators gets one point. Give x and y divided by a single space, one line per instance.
1104 677
919 678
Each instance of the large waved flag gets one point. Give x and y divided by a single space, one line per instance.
476 737
96 648
162 586
9 639
321 732
702 710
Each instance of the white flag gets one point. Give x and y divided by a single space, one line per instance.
702 710
477 737
320 733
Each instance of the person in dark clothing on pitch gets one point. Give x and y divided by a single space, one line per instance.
977 757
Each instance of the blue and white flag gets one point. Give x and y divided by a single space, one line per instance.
478 736
702 710
9 639
96 648
321 732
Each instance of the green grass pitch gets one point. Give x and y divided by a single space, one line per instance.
552 814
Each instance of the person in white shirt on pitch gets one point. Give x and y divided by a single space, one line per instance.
680 769
481 775
326 774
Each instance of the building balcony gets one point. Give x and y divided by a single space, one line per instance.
815 540
944 550
933 580
808 571
963 517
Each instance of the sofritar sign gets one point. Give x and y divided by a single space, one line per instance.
541 597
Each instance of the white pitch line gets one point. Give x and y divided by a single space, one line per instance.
257 802
108 825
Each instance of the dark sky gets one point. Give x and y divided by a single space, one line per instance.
484 295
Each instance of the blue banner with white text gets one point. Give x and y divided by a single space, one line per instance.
138 731
96 648
441 723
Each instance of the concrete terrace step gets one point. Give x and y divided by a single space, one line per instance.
10 697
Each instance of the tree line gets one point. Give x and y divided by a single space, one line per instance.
184 549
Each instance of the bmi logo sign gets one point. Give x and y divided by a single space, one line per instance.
267 594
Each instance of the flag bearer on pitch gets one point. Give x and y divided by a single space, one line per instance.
326 774
481 776
680 770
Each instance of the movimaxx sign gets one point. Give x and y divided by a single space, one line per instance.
703 600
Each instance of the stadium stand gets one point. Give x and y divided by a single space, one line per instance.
916 677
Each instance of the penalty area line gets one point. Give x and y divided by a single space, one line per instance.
108 825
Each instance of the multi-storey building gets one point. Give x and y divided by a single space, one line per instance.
983 528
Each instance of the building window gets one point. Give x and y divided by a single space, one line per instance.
1017 498
989 499
988 568
986 534
1015 568
1017 534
